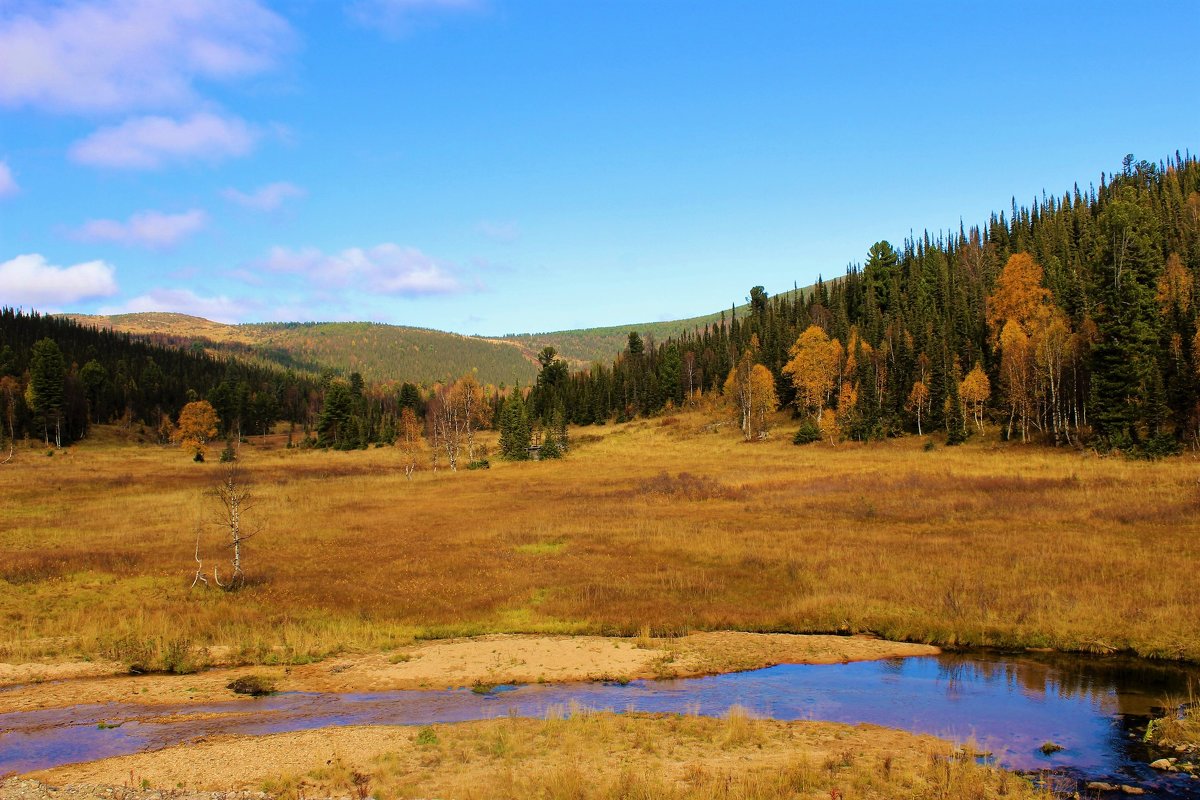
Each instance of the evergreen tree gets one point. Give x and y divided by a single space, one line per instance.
1128 404
515 433
44 395
335 427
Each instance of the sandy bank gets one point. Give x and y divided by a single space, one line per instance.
453 663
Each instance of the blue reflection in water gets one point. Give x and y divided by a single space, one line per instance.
1009 706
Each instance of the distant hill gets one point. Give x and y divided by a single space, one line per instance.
586 345
391 352
379 352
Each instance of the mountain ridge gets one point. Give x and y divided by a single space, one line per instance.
383 351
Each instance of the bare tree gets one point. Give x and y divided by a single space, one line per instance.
446 425
9 391
235 499
471 408
410 441
199 578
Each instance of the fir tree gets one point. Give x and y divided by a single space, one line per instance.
515 433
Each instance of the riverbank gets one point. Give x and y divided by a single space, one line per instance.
451 663
577 754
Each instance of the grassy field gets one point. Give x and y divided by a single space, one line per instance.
659 527
574 754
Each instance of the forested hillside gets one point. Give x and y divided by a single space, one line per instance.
57 376
1070 320
582 346
378 352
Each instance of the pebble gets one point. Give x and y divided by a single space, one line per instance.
18 789
1101 786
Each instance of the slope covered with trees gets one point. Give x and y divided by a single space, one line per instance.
583 346
376 351
57 377
1072 319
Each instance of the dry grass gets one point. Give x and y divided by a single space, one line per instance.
1180 725
573 754
602 756
647 528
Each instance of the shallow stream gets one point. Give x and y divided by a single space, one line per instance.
1096 709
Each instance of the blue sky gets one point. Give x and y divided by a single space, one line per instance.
494 166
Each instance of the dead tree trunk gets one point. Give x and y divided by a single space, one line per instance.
234 496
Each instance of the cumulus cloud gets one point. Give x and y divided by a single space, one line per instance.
117 55
33 281
184 301
8 184
152 229
265 198
150 142
383 269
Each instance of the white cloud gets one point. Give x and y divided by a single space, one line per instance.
265 198
8 184
383 269
184 301
31 280
150 142
116 55
152 229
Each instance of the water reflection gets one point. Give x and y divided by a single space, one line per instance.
1009 705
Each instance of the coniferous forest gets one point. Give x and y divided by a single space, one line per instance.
57 377
1071 320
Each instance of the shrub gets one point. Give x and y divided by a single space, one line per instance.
253 685
808 433
550 449
480 464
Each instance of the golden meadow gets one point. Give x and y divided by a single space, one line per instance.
659 526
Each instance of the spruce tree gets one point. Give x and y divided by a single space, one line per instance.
515 434
334 428
1127 403
44 395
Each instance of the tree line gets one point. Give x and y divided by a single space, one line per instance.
57 377
1068 320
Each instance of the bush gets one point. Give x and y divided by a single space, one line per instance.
427 737
550 449
808 433
480 464
253 685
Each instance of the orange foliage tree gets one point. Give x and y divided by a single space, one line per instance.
813 368
410 441
1174 287
974 391
1037 348
197 426
1017 295
750 388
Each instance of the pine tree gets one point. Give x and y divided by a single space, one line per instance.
515 433
45 392
335 426
1128 405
